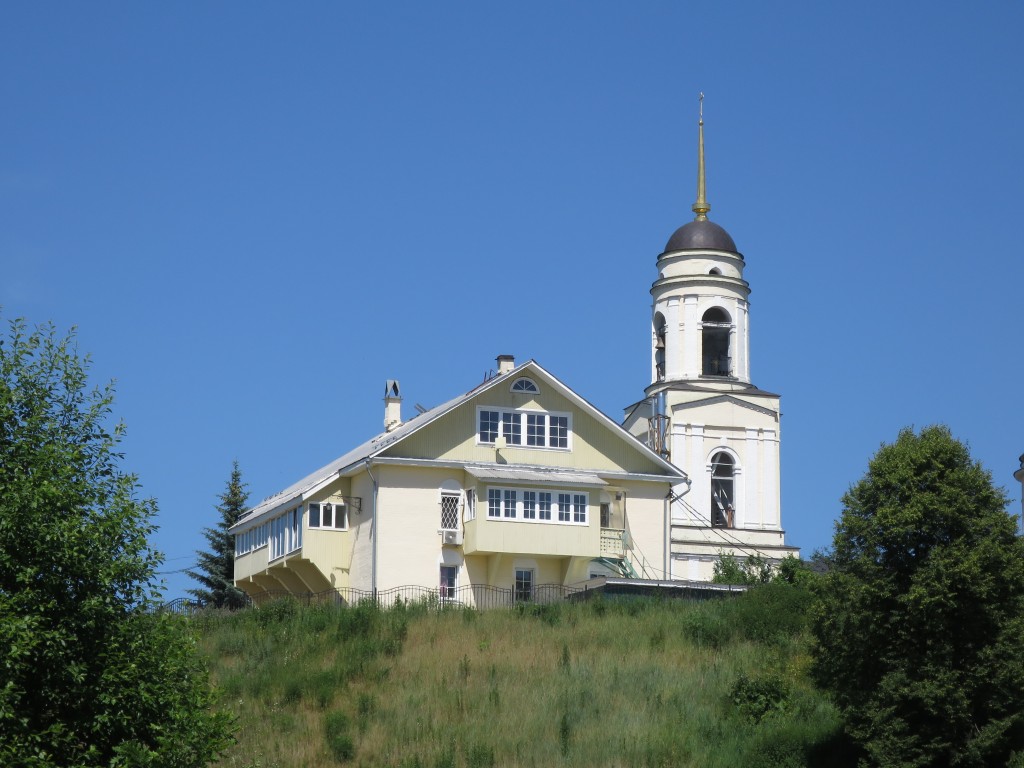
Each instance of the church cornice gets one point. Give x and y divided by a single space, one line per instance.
726 399
744 390
701 253
708 281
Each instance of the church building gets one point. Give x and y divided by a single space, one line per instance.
701 410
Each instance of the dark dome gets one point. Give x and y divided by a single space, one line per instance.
703 235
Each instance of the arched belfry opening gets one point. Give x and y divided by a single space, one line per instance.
659 347
717 327
723 470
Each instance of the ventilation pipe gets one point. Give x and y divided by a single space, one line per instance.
392 406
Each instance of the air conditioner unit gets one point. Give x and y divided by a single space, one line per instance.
451 537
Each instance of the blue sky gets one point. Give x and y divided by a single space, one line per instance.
256 213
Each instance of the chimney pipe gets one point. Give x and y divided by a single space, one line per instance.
392 406
506 363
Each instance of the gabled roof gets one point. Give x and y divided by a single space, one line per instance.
725 398
349 462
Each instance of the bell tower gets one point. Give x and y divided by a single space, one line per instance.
699 320
701 409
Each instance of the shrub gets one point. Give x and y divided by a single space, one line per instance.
338 737
757 698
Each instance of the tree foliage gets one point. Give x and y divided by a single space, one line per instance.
90 674
754 569
919 628
216 568
729 569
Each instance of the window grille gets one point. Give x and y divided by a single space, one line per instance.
449 512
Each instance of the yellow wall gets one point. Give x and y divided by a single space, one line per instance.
541 538
593 444
409 514
251 563
411 550
361 531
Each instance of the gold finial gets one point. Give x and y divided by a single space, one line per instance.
701 207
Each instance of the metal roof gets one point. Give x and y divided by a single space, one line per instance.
546 477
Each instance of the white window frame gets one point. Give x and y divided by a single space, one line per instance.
524 386
544 506
509 503
550 507
252 539
453 514
518 432
530 504
337 510
564 507
511 427
285 534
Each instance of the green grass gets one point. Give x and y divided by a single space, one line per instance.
604 683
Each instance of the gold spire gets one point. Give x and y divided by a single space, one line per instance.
701 207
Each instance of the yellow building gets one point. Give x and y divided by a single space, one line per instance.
517 484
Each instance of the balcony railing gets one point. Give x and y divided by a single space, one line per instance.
613 542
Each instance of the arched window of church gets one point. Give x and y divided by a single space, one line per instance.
659 347
715 343
723 512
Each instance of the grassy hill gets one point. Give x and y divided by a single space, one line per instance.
601 683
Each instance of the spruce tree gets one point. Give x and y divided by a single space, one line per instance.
215 569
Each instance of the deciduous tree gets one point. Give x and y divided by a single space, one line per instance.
90 673
216 568
920 631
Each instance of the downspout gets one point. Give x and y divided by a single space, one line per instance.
373 518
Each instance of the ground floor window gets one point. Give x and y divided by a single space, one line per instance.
449 581
449 511
524 585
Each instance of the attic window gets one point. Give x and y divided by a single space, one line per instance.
525 385
534 429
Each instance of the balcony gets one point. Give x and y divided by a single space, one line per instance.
496 536
613 543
